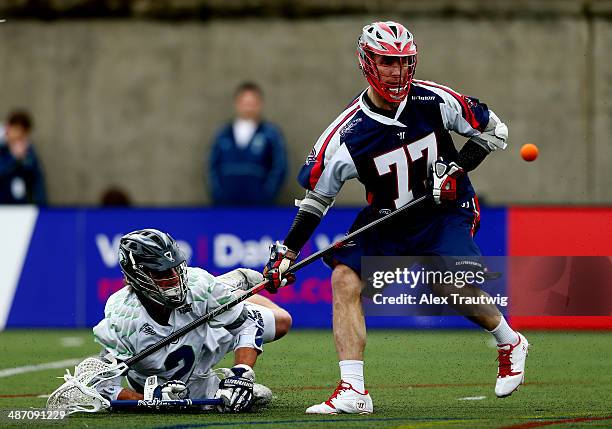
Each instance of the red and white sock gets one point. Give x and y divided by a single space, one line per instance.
351 371
504 334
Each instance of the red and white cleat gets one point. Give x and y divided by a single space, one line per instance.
345 399
511 371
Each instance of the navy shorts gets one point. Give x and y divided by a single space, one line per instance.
429 231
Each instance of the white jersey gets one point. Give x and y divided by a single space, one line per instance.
128 329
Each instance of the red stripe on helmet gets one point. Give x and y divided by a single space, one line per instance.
391 49
385 27
317 169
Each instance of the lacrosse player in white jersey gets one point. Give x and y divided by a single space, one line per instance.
162 294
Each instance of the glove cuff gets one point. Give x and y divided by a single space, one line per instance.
244 366
282 250
244 370
290 254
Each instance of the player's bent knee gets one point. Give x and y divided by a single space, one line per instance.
283 322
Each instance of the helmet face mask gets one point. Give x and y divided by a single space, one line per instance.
154 266
387 57
167 288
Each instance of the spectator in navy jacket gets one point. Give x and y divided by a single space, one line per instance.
21 177
248 162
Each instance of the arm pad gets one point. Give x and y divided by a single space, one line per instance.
241 279
302 228
494 136
315 203
471 155
312 208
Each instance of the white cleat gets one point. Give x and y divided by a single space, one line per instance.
345 399
511 371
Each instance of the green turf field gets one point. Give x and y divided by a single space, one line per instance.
416 378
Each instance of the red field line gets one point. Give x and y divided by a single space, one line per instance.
538 424
22 395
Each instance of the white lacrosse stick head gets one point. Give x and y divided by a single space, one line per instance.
73 396
78 393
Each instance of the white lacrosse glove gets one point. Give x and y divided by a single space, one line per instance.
236 390
172 390
445 176
495 134
169 391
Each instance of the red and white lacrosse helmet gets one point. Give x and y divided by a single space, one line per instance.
393 40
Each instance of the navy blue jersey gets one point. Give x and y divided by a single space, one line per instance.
392 157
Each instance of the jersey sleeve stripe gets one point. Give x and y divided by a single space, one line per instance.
355 101
467 113
317 169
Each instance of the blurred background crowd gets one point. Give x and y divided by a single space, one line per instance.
201 102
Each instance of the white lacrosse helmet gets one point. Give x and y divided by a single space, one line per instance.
387 39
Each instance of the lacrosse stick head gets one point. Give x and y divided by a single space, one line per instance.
74 396
78 393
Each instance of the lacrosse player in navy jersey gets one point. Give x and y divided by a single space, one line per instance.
395 139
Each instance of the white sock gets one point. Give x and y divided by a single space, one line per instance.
351 371
504 334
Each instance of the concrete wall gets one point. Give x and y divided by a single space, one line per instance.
135 103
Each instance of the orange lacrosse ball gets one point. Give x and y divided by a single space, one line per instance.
529 152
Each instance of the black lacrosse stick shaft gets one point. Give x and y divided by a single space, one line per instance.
255 290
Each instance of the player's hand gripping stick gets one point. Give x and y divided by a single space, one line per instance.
445 174
276 270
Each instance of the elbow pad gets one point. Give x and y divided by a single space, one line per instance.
494 136
315 203
241 279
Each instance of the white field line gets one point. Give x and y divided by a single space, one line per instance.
472 398
72 341
8 372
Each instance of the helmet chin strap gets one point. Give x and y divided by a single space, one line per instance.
380 101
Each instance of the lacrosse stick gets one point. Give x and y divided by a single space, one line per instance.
170 405
96 371
78 393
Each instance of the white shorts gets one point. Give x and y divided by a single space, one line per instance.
203 384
